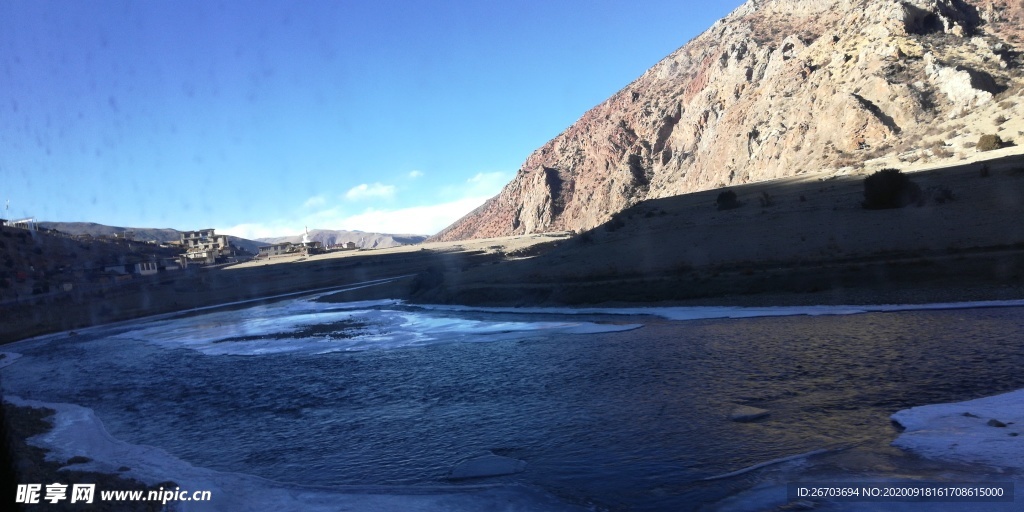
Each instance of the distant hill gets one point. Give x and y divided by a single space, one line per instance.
161 235
362 240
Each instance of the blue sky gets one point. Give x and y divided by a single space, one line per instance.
261 117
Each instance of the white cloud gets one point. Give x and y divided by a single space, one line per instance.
315 201
252 231
415 174
482 184
455 201
487 183
487 178
417 220
370 191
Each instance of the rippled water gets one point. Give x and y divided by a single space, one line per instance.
622 420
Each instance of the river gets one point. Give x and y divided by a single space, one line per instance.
610 411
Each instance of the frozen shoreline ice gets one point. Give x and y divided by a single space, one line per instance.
713 312
967 431
77 431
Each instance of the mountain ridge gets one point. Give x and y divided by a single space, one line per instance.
363 240
775 89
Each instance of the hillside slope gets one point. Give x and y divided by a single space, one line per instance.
143 234
776 89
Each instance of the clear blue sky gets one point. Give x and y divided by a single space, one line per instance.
261 117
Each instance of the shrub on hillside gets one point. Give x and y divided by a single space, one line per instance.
727 200
989 142
889 188
615 223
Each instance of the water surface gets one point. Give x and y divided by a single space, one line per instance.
613 412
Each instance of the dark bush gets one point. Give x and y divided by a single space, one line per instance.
989 142
889 188
615 224
727 200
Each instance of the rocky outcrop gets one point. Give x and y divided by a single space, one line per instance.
777 88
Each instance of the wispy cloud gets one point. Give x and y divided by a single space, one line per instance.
418 220
488 182
415 174
485 184
315 201
452 202
486 177
252 231
370 191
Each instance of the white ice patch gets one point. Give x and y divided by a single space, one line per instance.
712 312
77 431
370 325
8 358
964 431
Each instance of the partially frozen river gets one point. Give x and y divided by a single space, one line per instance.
609 409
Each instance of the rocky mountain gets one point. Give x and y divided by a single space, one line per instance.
161 235
775 89
362 240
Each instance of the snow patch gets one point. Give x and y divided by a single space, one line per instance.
964 431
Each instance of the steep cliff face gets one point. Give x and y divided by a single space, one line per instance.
777 88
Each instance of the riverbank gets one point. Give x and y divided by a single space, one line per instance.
798 241
39 465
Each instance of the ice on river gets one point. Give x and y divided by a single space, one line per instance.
312 327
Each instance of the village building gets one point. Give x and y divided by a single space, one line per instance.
347 246
306 247
145 269
204 247
29 224
269 251
312 247
142 268
168 264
